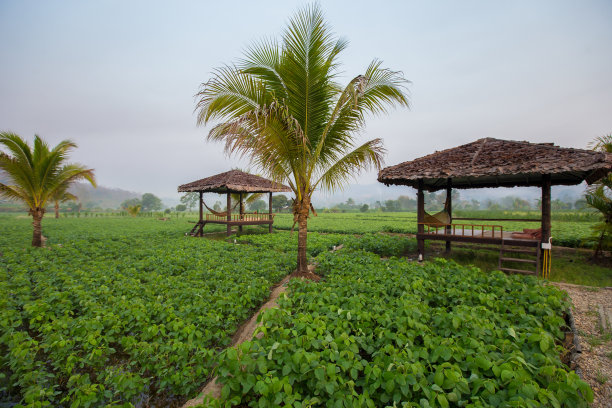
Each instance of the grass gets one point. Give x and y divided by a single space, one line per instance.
568 265
601 377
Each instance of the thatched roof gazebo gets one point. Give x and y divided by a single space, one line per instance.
495 163
233 182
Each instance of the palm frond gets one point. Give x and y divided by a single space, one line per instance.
367 156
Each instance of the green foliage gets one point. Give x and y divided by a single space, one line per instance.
190 200
381 244
383 333
258 205
123 310
150 202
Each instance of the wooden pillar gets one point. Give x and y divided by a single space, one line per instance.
270 212
420 218
545 210
449 197
229 213
241 212
200 232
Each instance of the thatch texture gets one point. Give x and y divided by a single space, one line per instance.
500 163
234 181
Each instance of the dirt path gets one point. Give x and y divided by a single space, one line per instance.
245 332
595 361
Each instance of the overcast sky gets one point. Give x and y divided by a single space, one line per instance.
119 77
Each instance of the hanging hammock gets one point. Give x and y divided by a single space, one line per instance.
217 213
440 218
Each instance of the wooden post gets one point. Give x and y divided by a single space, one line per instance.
229 213
420 217
241 212
200 232
545 211
449 197
270 212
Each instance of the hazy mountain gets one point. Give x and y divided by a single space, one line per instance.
101 197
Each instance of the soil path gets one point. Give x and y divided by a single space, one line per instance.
245 332
595 361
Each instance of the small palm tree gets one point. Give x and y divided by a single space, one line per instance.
599 197
282 107
133 210
38 175
62 197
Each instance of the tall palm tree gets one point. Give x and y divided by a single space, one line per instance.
599 197
38 175
281 106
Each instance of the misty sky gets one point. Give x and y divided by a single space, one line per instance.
119 77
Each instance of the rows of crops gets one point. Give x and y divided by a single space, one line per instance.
564 232
121 316
381 244
393 333
130 312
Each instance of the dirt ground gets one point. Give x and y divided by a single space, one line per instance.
595 361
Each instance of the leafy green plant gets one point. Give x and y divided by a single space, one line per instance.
379 333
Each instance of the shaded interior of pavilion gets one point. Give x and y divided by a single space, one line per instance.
237 183
488 163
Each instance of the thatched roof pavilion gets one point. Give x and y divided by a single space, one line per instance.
500 163
494 163
233 182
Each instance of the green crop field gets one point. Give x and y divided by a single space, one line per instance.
122 311
391 333
565 231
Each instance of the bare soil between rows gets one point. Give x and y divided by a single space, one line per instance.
246 330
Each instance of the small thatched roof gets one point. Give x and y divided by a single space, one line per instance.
500 163
234 181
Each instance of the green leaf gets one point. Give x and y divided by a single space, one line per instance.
442 401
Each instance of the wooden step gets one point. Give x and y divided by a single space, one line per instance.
519 251
533 261
521 271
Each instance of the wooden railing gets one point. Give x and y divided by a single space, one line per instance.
241 217
464 230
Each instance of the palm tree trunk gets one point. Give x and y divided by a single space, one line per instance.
37 215
302 219
57 209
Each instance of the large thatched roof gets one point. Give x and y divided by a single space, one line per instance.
500 163
234 181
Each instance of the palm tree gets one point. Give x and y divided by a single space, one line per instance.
62 196
599 197
38 175
282 107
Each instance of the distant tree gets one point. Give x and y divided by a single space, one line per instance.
190 199
217 206
350 201
406 203
558 205
364 208
279 201
167 211
150 202
133 210
181 207
130 202
580 204
520 204
37 174
258 205
391 206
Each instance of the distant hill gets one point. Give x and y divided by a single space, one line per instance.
101 197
